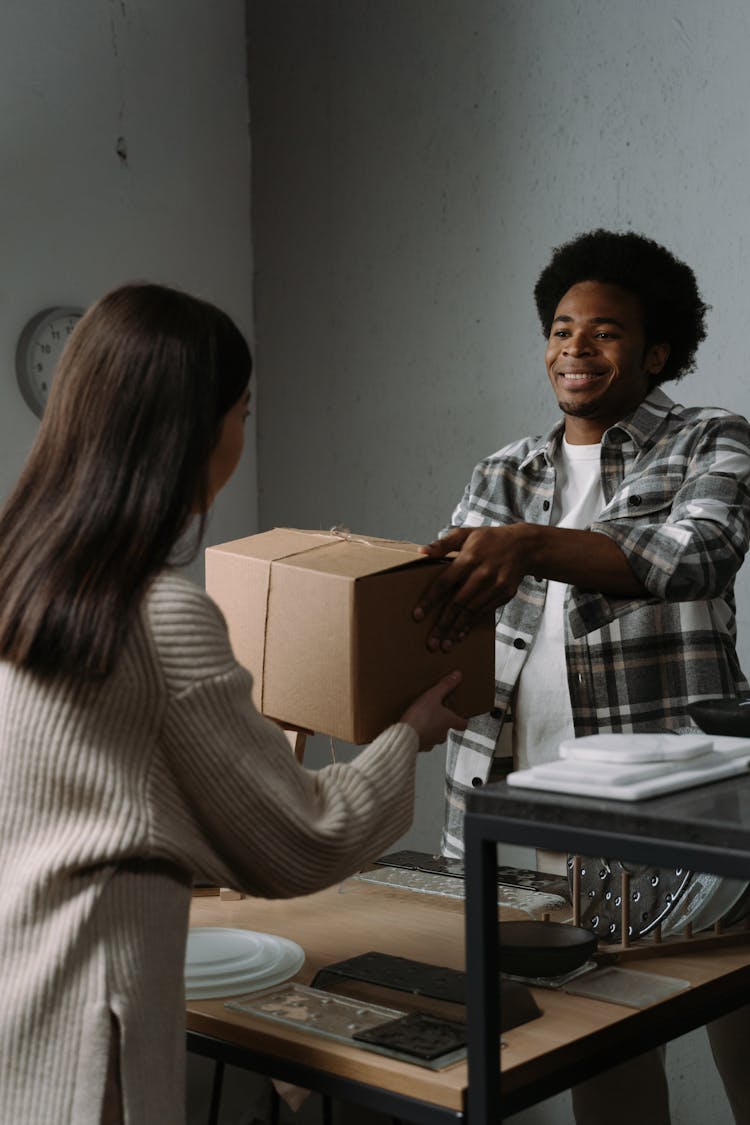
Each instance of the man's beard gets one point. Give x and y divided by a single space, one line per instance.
579 410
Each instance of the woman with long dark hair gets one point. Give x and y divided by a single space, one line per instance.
131 756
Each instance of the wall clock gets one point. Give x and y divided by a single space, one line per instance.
38 350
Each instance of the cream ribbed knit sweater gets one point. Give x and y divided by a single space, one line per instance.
112 796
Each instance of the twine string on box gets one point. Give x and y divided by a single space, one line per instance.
340 532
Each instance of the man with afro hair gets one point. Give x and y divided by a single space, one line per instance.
608 548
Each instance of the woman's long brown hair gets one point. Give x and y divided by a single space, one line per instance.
117 470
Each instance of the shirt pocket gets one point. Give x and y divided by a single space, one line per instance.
649 496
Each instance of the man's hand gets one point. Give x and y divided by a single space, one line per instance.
485 574
491 562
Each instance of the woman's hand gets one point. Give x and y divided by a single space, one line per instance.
429 716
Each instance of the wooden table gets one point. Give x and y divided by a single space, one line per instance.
331 926
539 1058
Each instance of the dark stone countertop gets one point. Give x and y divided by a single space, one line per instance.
708 825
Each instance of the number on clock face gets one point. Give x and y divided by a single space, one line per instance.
39 348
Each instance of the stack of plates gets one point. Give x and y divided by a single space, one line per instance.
709 899
630 767
228 962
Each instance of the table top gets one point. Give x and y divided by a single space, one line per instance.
358 917
331 926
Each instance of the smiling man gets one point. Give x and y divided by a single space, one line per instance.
598 360
609 548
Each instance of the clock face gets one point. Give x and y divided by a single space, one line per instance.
39 347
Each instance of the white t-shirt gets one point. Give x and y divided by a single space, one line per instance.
542 713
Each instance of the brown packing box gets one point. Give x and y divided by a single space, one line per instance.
324 624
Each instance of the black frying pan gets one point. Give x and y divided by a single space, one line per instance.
722 716
543 949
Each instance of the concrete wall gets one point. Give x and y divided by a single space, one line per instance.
414 163
124 153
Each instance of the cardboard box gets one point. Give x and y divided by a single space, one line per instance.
323 622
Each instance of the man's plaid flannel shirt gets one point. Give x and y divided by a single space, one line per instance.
676 482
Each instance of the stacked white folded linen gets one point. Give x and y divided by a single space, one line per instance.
630 767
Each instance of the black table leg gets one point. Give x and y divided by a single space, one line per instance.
213 1111
482 993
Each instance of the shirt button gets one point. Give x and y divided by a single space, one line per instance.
545 505
477 782
634 501
518 643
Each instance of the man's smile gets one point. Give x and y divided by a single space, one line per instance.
580 376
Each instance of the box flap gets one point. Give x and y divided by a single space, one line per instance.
358 556
276 544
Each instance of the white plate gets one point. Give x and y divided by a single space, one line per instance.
253 967
618 773
227 962
728 744
635 747
726 896
217 949
727 766
241 986
708 898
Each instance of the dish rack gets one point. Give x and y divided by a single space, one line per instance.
653 943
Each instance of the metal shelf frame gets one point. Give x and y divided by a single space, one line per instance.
706 829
